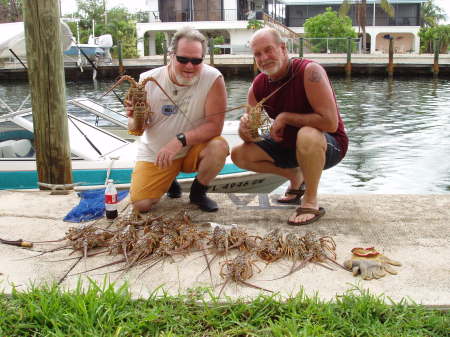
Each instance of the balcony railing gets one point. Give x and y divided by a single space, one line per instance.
379 21
198 15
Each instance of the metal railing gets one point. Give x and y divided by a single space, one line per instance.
293 21
198 15
330 45
380 20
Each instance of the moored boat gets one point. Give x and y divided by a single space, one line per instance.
102 149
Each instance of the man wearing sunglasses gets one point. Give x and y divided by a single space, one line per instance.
307 135
183 133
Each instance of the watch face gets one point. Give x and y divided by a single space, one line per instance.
182 138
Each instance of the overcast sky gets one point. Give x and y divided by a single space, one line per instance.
69 6
445 5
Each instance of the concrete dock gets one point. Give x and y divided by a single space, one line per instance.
362 64
412 229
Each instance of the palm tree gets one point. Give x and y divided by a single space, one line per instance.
361 11
431 14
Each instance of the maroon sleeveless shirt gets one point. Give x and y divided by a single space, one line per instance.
292 98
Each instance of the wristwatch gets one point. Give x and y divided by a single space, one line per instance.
182 138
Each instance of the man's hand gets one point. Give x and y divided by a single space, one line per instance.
130 111
128 108
167 153
277 128
244 129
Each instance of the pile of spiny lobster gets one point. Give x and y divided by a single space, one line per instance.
148 240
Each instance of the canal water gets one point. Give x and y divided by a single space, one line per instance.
399 130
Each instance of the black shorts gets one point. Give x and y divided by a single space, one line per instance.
285 157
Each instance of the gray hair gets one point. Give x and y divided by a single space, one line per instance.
275 35
192 35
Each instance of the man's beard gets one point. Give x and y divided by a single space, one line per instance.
185 81
273 69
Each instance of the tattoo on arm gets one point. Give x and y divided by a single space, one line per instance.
315 77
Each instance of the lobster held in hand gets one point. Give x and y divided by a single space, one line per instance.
136 98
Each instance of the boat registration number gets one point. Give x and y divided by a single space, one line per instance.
236 185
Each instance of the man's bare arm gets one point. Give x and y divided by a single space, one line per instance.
320 96
215 106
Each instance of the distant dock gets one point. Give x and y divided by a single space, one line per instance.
242 65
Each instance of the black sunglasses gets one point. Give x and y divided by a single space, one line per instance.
185 60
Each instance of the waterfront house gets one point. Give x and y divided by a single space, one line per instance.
229 18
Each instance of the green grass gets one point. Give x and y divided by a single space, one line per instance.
110 311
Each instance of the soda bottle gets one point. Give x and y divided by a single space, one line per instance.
111 200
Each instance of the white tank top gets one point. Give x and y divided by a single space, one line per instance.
166 121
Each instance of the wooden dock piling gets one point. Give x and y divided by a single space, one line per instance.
437 47
164 44
48 99
348 65
119 52
390 67
300 50
211 51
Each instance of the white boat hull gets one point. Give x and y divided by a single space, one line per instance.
112 157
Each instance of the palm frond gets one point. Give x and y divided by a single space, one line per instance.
344 8
388 8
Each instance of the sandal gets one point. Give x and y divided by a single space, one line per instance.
305 210
292 191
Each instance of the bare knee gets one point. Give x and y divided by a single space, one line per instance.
217 148
221 148
310 140
144 205
238 155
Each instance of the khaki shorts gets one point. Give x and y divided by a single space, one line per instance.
151 182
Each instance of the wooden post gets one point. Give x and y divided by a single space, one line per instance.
300 51
390 67
348 66
47 82
437 48
211 51
255 68
121 68
165 51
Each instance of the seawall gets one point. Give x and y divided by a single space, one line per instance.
242 65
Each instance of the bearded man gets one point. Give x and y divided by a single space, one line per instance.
185 136
307 135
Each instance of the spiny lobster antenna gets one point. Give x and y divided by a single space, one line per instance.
121 79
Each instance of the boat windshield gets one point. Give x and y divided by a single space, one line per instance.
98 112
88 141
95 131
100 116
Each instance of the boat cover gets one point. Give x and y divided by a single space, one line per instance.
12 36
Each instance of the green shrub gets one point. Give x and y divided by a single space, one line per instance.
429 34
329 25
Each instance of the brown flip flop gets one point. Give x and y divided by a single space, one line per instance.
292 191
305 210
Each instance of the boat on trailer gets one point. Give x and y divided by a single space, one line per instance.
101 149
